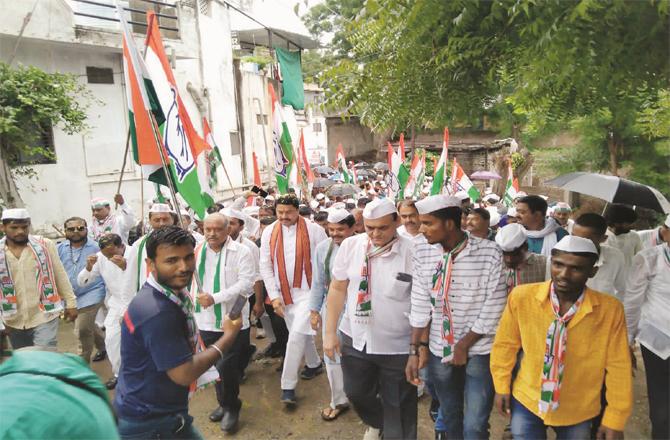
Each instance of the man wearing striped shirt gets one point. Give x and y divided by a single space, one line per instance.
458 295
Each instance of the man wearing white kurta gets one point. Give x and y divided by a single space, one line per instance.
285 263
226 271
137 272
104 222
110 264
340 227
647 306
372 273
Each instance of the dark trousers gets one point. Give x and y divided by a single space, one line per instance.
376 386
229 368
658 390
279 328
173 426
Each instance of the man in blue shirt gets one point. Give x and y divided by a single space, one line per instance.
73 253
158 342
543 232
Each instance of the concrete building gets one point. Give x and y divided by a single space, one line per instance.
83 38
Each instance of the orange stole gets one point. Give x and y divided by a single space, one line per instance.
303 258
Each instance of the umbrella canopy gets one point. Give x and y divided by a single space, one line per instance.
366 173
342 190
613 189
485 175
324 169
381 166
362 165
322 182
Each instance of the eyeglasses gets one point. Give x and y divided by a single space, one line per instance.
76 228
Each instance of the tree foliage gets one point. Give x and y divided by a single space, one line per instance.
31 101
599 66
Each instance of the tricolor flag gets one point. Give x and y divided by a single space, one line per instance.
342 164
461 182
281 140
182 143
142 103
440 170
417 172
309 174
257 178
510 188
213 156
397 176
401 147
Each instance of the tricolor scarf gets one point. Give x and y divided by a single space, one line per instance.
218 309
303 259
512 279
329 254
440 291
554 354
100 228
183 301
363 313
50 300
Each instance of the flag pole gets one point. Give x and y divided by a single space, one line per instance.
123 167
230 182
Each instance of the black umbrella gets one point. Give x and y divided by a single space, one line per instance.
362 165
365 173
613 189
324 169
321 182
381 166
342 190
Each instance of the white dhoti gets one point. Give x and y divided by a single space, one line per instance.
113 337
300 340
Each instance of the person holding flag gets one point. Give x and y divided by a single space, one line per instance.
458 295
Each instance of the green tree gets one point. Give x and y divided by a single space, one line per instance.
32 101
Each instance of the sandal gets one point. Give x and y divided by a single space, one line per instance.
329 414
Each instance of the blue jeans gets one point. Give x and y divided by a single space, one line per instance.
439 422
465 394
526 425
44 335
177 426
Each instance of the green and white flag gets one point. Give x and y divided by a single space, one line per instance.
342 165
398 175
283 148
440 171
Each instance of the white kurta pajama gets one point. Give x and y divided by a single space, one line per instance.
301 336
118 223
117 302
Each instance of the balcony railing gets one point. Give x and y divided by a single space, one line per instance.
102 13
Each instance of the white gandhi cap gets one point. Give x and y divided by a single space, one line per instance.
378 208
571 243
160 207
337 215
15 214
233 213
511 237
437 202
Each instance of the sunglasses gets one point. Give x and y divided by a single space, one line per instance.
76 228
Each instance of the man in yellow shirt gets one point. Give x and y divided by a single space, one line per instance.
573 339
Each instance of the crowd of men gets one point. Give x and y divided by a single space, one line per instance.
531 309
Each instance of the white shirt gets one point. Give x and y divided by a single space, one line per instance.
121 223
477 295
611 275
389 330
628 243
112 275
418 238
136 272
650 237
255 255
236 278
647 300
269 271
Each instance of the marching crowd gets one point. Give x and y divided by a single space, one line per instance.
531 309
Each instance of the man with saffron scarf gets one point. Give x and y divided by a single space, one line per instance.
372 272
458 296
573 339
33 284
287 247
